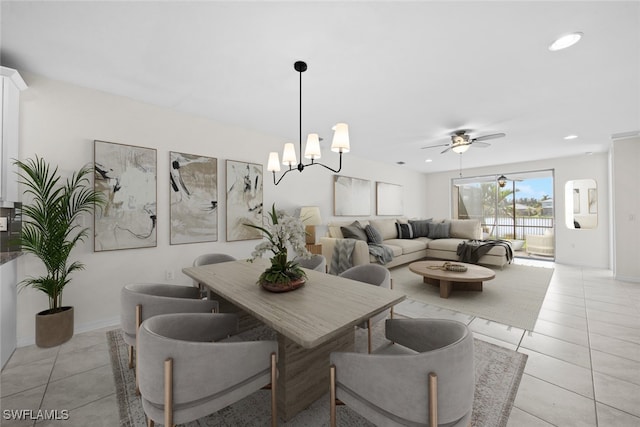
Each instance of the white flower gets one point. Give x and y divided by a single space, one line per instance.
282 230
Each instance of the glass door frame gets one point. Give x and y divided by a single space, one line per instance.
520 225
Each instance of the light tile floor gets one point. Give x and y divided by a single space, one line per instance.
583 367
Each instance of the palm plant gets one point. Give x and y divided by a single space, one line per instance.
50 229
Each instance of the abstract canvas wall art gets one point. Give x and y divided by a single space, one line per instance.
194 198
127 176
388 199
351 196
244 200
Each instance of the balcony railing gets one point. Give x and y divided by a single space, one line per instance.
504 227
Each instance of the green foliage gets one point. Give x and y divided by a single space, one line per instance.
49 223
281 270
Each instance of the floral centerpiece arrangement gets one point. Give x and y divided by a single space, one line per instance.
282 231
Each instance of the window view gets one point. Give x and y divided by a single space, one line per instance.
517 207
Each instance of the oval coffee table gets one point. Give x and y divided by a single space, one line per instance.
470 280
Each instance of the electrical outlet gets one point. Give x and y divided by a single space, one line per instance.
170 275
3 223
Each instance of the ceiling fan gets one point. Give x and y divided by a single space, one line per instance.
461 141
502 180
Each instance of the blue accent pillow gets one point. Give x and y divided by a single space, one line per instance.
439 230
405 231
373 235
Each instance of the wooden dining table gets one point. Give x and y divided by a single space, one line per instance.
311 322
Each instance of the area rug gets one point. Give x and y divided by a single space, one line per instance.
513 297
498 374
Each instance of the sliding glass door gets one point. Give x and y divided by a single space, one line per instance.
509 207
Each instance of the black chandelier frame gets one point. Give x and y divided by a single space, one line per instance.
301 67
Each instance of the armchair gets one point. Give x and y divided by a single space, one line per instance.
316 262
185 376
426 377
206 259
373 274
540 244
140 301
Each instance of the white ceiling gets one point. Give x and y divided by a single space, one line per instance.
402 74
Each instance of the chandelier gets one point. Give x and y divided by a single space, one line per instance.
340 144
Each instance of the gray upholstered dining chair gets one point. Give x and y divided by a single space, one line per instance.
316 262
426 378
210 258
140 301
186 372
373 274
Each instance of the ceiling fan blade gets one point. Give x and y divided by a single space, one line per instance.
445 150
434 146
488 137
481 144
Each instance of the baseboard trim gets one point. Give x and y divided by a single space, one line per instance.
627 278
78 328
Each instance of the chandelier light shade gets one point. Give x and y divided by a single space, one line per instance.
502 181
312 149
274 162
289 155
340 144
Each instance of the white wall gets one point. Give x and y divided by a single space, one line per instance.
60 121
626 208
576 247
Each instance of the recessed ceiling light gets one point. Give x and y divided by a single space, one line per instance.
400 163
565 41
571 137
428 161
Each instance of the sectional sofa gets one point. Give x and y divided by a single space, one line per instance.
411 241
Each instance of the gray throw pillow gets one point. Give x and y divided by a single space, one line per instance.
439 230
405 231
354 231
420 227
373 234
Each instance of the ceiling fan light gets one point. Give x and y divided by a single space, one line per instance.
340 143
565 41
461 148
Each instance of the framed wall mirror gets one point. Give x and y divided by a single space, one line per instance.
581 204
